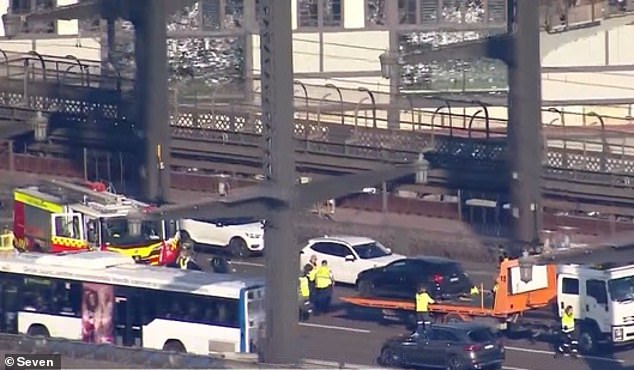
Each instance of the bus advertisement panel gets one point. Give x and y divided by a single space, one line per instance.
97 313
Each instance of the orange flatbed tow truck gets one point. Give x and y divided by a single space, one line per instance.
515 306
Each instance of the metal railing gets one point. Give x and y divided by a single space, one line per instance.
64 71
557 16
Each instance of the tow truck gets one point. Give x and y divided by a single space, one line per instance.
602 297
57 216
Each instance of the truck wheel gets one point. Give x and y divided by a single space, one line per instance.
238 248
587 339
365 288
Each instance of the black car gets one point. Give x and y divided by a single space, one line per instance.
459 346
401 279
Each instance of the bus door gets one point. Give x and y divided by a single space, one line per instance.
127 326
8 305
252 326
67 231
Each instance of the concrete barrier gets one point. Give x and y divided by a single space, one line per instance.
148 358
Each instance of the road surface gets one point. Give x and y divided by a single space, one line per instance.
337 337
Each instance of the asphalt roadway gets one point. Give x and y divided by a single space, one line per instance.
337 337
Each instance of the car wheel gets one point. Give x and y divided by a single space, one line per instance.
388 358
365 288
455 363
238 248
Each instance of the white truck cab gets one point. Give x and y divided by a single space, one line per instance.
602 298
243 236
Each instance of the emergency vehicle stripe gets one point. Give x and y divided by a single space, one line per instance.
141 251
38 203
69 242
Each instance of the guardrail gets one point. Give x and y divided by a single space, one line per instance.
64 71
110 353
311 101
150 359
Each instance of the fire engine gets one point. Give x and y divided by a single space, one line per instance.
56 216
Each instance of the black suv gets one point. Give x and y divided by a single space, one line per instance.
459 346
401 279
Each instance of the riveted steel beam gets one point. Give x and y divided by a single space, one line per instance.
524 126
618 248
282 260
151 93
496 47
252 202
102 8
330 188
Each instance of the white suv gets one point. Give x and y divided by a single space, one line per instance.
347 256
242 236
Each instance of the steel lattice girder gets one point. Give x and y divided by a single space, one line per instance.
103 8
257 200
618 248
496 47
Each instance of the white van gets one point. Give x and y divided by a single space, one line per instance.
243 236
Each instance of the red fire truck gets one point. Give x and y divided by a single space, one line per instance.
57 216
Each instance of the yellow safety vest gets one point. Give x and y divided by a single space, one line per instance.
311 274
422 302
567 323
322 277
183 263
304 290
475 291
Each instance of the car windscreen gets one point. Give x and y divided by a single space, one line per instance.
371 250
483 335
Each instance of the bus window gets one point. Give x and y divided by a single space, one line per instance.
199 309
36 295
66 298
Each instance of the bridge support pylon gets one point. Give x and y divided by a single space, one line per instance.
149 18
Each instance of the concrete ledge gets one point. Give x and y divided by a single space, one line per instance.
148 358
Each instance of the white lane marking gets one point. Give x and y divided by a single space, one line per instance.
245 263
544 352
335 364
342 328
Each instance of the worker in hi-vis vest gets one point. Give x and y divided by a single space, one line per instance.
568 342
304 294
423 300
323 288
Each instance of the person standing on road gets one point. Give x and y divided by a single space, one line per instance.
304 294
568 343
323 288
423 300
311 266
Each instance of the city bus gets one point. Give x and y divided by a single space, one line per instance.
105 297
